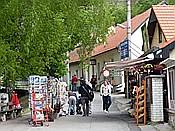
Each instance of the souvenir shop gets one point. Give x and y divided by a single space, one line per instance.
144 85
47 98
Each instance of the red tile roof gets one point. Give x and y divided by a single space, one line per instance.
113 41
167 43
73 56
166 18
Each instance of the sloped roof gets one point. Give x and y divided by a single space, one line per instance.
167 43
73 56
165 15
113 41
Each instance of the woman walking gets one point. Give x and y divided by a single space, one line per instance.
105 92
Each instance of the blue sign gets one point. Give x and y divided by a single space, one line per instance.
124 49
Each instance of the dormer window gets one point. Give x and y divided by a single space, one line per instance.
160 35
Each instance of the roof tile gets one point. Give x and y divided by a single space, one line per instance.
166 17
113 41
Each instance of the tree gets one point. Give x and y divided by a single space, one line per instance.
141 6
36 35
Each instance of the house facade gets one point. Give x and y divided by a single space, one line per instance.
110 51
161 32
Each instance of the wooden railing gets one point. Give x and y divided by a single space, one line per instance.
140 104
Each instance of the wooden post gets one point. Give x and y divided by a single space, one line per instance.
140 104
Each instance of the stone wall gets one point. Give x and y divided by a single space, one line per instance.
157 100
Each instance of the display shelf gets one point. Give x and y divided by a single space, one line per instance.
38 99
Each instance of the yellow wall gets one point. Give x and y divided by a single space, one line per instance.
155 41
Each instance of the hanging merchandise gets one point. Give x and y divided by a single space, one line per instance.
63 95
15 100
149 68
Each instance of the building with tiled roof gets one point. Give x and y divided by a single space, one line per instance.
111 50
113 41
161 26
161 32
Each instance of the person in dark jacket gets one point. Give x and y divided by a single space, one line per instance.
84 90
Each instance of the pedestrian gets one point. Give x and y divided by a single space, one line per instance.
93 82
110 97
74 82
105 92
84 91
72 103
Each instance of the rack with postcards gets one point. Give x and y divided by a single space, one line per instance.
38 99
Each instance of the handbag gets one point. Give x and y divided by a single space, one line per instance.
90 94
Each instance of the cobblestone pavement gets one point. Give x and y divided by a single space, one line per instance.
97 121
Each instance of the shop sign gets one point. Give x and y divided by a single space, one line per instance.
92 62
124 49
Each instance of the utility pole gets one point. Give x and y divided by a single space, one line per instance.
129 26
67 62
129 40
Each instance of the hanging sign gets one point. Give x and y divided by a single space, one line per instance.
106 73
124 49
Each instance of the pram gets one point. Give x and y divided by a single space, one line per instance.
79 105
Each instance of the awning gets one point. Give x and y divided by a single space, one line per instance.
169 62
128 63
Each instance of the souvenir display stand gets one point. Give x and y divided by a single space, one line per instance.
9 109
3 105
63 96
52 91
38 99
4 101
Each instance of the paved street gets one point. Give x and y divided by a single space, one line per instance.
97 121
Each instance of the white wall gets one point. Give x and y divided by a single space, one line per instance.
172 53
107 57
136 44
136 40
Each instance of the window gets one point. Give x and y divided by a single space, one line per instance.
160 35
172 88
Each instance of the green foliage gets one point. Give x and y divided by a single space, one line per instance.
118 11
94 19
36 35
142 5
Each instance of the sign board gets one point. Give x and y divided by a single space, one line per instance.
92 62
124 49
106 73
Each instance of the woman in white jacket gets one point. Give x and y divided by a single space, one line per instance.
105 92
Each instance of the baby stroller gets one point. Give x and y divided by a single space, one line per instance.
78 105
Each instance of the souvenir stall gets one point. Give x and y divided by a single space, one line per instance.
38 100
144 85
58 95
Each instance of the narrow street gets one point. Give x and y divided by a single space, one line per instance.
97 121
